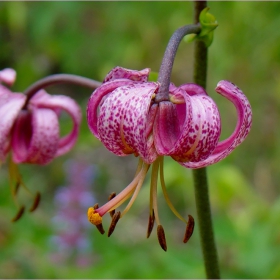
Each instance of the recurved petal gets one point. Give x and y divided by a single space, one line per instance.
123 73
244 113
57 103
35 136
97 98
10 106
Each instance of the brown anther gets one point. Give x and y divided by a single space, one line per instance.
113 224
150 224
161 237
111 196
19 214
189 229
100 228
35 202
17 185
95 206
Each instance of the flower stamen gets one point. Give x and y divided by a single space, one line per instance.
151 223
19 214
190 223
145 168
113 224
189 229
16 181
111 196
165 194
161 237
94 217
36 202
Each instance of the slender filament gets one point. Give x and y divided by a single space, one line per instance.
154 179
138 187
164 190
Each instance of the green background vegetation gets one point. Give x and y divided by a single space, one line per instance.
89 38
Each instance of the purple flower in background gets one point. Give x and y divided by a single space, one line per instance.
71 237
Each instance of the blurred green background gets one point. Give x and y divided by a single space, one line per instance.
89 38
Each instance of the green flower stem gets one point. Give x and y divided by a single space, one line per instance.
200 175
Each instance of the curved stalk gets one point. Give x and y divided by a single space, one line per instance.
168 59
59 79
200 175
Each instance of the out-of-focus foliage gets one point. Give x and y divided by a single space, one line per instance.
90 38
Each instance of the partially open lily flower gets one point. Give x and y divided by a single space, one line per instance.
31 131
123 115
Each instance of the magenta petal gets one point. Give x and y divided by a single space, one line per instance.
35 136
244 113
10 106
123 73
56 103
96 100
166 128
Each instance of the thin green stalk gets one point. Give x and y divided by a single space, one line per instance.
200 175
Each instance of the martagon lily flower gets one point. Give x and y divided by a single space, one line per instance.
124 115
29 128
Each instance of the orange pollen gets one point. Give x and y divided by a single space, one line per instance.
94 217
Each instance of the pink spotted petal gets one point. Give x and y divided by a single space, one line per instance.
35 136
123 73
200 138
8 76
10 106
123 119
136 119
96 100
57 103
244 113
109 125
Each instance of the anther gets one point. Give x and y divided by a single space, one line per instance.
19 214
113 224
35 202
100 228
189 229
161 237
150 224
111 196
17 185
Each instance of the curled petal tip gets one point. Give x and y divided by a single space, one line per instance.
123 73
243 126
8 76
